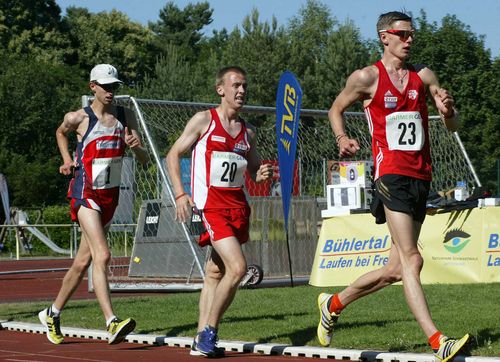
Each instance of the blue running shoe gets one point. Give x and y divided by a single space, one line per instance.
219 351
206 344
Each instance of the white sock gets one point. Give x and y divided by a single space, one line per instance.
54 311
109 320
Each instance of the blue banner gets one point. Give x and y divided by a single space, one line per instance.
288 100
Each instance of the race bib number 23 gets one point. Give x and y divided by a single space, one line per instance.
404 131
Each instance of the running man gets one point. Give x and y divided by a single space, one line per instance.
102 130
223 147
394 97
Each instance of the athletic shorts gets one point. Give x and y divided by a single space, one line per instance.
107 210
400 193
223 223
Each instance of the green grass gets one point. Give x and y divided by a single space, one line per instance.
380 321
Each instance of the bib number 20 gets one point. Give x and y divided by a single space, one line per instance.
229 171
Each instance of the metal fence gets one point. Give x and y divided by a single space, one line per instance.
161 122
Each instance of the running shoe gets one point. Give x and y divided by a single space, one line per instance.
52 325
119 329
327 320
219 351
449 348
207 343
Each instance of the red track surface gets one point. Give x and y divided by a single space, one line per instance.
19 346
36 286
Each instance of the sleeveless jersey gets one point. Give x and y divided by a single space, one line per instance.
218 166
399 126
99 158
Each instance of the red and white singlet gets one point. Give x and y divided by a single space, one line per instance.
399 126
218 166
99 157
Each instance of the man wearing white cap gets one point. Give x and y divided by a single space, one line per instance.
103 130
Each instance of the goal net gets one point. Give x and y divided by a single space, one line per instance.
152 251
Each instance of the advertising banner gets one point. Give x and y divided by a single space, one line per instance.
490 263
457 247
288 101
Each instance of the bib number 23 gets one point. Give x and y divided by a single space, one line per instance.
404 131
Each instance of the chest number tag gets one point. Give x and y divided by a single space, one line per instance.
106 172
227 169
404 131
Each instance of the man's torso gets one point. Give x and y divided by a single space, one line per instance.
99 156
398 123
219 161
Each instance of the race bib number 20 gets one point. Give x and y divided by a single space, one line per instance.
404 131
227 169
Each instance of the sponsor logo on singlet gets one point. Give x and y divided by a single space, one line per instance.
218 139
108 144
240 147
412 94
390 101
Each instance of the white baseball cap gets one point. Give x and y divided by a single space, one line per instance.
104 74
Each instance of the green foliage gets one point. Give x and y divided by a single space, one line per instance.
34 28
182 28
32 183
34 96
172 80
464 66
260 48
58 214
110 37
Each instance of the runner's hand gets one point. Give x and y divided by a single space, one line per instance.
348 147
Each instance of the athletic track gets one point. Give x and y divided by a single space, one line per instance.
21 346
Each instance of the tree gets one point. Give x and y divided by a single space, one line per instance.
110 37
34 27
34 96
260 49
323 53
182 28
464 66
171 77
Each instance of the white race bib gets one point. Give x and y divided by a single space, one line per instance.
404 131
227 169
106 172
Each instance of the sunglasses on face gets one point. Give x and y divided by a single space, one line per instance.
403 34
111 87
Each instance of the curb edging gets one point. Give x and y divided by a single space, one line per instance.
249 347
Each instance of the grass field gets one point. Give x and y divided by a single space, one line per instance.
289 315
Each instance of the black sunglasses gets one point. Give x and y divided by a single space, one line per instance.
403 34
111 87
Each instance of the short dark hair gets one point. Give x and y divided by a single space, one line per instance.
386 20
219 79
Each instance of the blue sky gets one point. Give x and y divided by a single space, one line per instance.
481 16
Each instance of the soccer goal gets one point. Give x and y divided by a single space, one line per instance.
152 251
